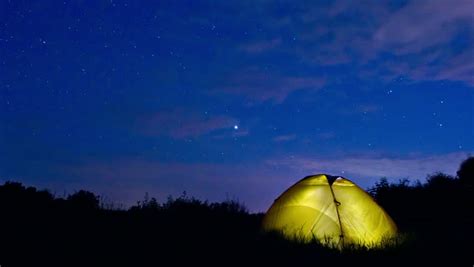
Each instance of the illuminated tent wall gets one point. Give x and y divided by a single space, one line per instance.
332 209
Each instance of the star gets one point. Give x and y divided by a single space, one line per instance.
236 127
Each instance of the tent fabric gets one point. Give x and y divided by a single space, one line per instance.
337 213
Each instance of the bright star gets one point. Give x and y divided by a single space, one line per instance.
236 127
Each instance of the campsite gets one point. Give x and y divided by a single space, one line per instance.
236 133
433 218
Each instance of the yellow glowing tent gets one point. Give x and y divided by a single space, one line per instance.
331 209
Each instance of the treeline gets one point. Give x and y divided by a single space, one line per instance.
434 218
440 202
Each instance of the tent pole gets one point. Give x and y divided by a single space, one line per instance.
337 203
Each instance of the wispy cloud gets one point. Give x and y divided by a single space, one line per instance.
261 86
326 135
284 138
235 134
459 68
367 108
371 166
180 123
261 46
378 40
423 24
422 35
360 109
417 39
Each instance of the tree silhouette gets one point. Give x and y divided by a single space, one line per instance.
466 172
84 200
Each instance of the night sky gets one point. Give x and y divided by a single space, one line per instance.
232 99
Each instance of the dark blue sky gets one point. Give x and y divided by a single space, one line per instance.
232 99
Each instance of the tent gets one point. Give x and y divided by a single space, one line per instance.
331 209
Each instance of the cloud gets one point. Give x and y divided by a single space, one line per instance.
376 40
423 24
235 134
326 135
459 68
261 46
416 167
367 108
284 138
359 109
424 40
422 35
262 86
181 124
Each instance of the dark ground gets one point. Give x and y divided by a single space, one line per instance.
37 229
